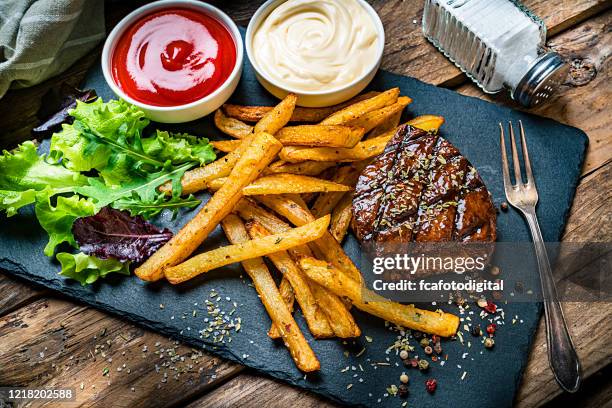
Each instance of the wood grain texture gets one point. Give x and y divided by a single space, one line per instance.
253 390
15 293
55 343
407 52
583 100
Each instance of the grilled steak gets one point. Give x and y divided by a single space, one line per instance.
421 189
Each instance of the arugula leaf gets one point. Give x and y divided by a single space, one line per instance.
23 169
58 220
87 269
143 189
149 209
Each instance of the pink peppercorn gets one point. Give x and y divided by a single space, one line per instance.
430 385
490 307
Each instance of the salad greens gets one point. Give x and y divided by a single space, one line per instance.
115 234
87 269
102 158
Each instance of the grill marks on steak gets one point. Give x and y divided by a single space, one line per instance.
422 189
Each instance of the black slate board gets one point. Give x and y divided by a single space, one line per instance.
492 376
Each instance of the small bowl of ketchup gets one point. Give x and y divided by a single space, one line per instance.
177 60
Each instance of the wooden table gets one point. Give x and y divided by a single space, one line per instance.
47 340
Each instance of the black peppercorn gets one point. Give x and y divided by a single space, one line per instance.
476 331
402 390
504 206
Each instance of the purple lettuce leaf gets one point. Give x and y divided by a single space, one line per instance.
116 234
55 105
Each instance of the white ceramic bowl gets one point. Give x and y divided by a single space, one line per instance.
312 98
190 111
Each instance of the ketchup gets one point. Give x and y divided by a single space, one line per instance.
173 57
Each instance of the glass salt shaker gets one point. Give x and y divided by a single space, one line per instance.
498 44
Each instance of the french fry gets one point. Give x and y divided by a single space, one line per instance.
327 247
308 168
226 255
284 184
286 292
339 317
275 305
347 175
259 153
321 135
386 126
198 179
363 150
341 217
314 316
375 118
278 117
358 109
255 113
232 127
226 146
430 123
408 316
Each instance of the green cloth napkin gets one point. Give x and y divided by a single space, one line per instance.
41 38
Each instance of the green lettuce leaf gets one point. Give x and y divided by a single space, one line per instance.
179 147
110 120
57 220
108 117
23 169
87 269
11 201
76 152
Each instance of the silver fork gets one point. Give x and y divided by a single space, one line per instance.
524 197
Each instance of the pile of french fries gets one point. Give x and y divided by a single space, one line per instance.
284 191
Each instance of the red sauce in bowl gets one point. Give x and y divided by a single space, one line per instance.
173 57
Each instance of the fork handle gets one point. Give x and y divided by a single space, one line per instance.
561 352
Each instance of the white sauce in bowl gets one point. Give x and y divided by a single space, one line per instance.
321 45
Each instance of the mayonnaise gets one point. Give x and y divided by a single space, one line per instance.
320 45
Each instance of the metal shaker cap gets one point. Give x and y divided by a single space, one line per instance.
541 81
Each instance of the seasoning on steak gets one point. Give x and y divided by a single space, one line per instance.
421 189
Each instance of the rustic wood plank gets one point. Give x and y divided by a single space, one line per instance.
596 393
589 322
583 99
16 294
407 51
252 390
55 343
